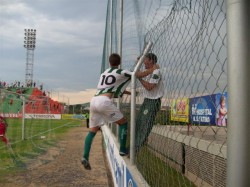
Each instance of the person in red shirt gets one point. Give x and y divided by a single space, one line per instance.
3 129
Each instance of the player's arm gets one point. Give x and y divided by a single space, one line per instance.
140 74
125 92
147 85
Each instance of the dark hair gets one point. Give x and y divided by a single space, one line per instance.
114 59
151 56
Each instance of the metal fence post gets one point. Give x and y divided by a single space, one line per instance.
23 117
133 104
238 151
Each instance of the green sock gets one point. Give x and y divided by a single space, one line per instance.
87 145
123 130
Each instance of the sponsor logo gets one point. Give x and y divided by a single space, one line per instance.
45 116
130 183
42 116
145 112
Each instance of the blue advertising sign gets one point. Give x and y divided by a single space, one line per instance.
129 179
202 110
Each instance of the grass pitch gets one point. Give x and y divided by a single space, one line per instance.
31 140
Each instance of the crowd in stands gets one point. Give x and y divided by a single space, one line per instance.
39 100
19 84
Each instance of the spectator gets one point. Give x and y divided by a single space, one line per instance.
86 115
41 86
11 101
153 92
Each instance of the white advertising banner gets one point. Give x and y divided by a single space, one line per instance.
42 116
120 173
11 115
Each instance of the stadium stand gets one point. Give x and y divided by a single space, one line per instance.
36 101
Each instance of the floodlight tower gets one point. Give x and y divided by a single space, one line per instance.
30 45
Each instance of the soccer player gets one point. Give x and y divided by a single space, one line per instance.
112 84
3 128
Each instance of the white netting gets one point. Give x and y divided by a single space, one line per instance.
34 124
187 145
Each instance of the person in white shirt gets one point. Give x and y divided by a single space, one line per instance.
152 93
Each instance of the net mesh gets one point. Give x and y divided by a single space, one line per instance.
187 143
28 137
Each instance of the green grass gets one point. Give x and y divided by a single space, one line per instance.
39 136
157 173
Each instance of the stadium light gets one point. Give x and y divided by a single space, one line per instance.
30 39
30 45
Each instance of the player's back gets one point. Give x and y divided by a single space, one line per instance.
113 77
113 80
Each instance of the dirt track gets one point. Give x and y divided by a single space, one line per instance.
61 166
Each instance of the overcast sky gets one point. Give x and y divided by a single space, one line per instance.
69 44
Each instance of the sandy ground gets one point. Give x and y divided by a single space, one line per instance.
61 165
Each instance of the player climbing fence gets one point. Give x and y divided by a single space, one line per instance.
187 145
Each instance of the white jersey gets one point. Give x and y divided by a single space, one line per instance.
113 80
158 90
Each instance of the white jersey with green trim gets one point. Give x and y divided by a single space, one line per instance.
113 80
158 90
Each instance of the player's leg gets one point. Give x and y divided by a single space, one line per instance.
2 133
140 125
88 141
4 139
123 131
87 146
112 114
149 111
155 107
94 127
